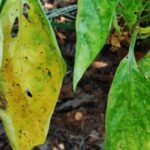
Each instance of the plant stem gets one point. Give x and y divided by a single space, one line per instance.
132 45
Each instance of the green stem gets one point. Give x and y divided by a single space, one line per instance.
132 45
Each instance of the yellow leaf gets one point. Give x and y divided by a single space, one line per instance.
31 73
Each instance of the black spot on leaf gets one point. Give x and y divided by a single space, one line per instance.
20 131
49 73
28 93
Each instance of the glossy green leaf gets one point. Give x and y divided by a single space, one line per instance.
31 73
128 109
93 24
144 65
130 10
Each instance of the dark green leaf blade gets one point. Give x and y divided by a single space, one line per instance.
93 24
128 110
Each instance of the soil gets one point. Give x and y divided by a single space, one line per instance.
78 122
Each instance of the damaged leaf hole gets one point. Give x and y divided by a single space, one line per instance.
28 93
15 28
26 9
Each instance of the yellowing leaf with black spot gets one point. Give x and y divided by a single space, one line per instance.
31 73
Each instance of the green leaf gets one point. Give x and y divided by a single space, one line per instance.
144 65
93 24
2 2
128 109
31 73
130 10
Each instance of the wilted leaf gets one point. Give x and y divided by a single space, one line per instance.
30 75
128 110
93 25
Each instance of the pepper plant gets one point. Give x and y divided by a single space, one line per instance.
32 70
127 117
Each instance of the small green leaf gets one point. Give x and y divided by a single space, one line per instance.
31 73
130 10
93 24
128 110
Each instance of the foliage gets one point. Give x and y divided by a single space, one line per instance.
92 31
93 28
130 10
31 73
127 121
127 117
32 70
